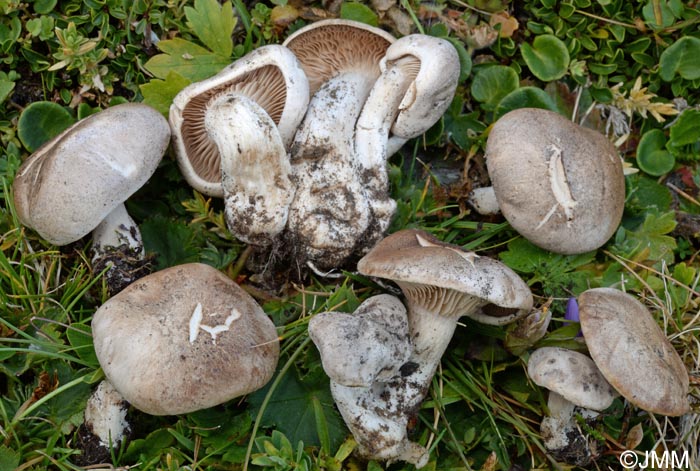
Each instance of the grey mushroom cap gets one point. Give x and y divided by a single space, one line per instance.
183 339
632 351
271 76
366 346
572 375
70 184
558 184
445 278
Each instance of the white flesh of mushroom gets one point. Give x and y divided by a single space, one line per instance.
254 168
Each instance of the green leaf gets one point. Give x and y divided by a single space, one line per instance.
186 59
41 121
213 24
554 271
291 409
358 12
6 87
159 93
44 7
547 58
651 237
685 130
465 59
493 83
525 97
80 338
645 193
145 449
681 58
9 459
463 129
171 241
652 157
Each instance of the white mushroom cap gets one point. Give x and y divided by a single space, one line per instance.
433 87
270 75
558 184
366 346
70 184
632 351
183 339
572 375
447 280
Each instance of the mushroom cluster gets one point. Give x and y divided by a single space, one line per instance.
627 347
295 137
381 359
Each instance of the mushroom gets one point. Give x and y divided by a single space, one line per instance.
78 181
560 185
105 422
632 352
366 346
183 339
274 84
418 81
331 211
576 386
441 282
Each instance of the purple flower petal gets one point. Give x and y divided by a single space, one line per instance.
572 310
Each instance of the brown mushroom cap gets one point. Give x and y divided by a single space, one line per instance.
572 375
71 183
183 339
270 76
632 351
327 48
558 184
445 279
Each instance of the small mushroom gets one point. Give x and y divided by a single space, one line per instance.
183 339
231 134
441 282
78 181
558 184
331 210
632 352
576 385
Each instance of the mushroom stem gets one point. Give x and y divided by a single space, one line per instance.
105 416
483 200
330 211
254 168
379 113
116 230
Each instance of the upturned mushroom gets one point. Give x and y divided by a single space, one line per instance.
183 339
417 84
441 282
628 346
77 182
231 134
560 185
